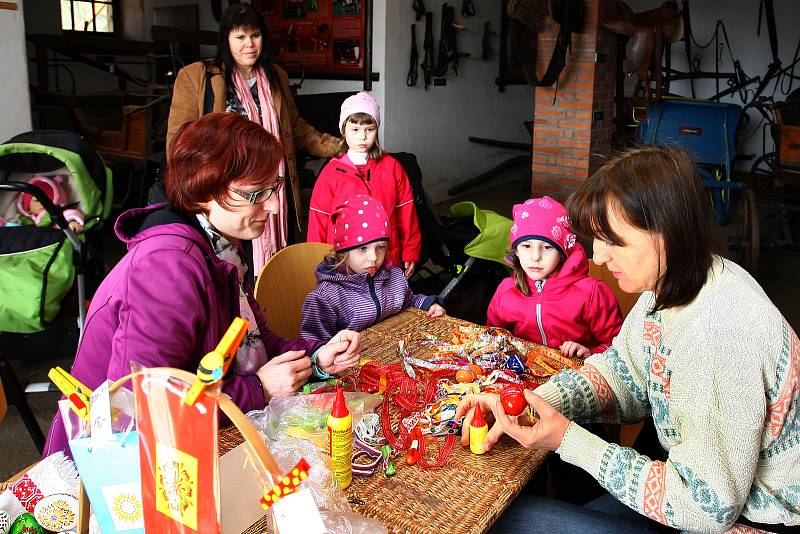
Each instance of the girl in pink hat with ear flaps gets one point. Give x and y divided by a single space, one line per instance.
362 168
356 287
551 299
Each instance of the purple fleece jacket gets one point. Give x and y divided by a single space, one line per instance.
356 301
165 304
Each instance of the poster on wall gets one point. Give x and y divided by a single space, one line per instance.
316 37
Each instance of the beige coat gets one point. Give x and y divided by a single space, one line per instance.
188 98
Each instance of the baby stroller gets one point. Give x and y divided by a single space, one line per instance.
39 264
469 244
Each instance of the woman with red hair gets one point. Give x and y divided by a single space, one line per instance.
172 296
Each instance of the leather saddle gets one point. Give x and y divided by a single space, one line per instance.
648 30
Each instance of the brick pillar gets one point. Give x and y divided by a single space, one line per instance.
570 134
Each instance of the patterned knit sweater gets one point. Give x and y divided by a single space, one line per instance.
720 377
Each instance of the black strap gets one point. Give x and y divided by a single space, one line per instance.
411 79
208 101
427 44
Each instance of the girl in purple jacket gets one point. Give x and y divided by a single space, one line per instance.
355 288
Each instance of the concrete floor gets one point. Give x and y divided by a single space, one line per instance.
779 275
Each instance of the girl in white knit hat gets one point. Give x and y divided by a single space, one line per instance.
363 168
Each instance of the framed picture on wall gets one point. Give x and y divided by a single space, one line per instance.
317 38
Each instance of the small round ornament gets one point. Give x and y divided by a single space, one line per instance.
25 524
513 399
5 522
57 512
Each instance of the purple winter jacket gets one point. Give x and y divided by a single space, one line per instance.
165 304
356 301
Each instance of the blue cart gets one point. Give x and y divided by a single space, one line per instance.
706 130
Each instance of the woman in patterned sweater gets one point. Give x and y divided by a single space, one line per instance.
704 353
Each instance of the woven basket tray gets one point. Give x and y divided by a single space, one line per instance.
465 496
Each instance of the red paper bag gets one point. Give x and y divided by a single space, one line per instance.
178 455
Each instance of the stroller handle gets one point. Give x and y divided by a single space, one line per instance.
56 212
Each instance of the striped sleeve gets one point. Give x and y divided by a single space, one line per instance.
319 319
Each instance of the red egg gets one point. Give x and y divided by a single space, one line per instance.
513 399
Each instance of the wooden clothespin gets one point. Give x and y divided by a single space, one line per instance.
215 364
73 390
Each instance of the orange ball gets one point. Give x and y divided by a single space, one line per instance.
476 370
465 375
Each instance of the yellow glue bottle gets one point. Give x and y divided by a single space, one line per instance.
340 440
478 429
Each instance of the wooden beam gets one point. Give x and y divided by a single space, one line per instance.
11 6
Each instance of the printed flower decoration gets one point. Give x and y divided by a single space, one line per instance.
569 241
556 231
514 229
176 486
545 203
563 221
127 507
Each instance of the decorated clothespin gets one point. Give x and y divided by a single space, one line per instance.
77 394
215 364
287 484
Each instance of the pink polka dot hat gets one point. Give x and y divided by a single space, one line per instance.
358 221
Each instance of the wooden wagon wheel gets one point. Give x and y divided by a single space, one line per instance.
748 237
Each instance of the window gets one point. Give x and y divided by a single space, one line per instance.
88 15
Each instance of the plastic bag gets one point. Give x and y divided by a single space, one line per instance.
296 427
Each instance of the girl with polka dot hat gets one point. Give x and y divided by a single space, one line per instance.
551 299
355 285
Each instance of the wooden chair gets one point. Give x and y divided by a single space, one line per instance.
284 282
628 433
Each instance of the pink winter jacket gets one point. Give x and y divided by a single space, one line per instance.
571 306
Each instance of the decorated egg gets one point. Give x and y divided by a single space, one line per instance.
513 399
57 512
476 370
5 522
25 524
516 364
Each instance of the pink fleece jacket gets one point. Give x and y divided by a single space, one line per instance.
570 306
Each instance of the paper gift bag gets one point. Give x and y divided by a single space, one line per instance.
109 463
178 454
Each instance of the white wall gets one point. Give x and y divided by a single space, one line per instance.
15 106
741 22
435 124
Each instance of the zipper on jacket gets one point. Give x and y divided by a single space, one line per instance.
374 295
539 287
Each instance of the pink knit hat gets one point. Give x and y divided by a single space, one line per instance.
48 184
358 221
544 219
360 103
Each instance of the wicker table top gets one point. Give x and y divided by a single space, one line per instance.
465 496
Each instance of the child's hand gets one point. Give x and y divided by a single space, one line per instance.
76 227
340 353
573 350
435 311
408 268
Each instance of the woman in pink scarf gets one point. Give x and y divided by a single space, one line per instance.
242 80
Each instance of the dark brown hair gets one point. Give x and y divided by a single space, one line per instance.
655 189
375 152
520 278
208 154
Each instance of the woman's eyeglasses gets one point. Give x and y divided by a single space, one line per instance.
262 195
